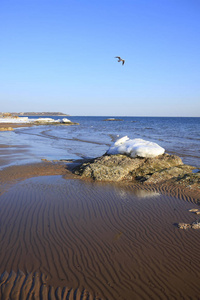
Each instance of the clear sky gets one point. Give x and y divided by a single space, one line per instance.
59 55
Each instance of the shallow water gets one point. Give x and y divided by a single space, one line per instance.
92 138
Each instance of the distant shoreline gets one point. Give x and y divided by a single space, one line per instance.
30 114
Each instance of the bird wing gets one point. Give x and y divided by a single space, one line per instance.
123 61
118 57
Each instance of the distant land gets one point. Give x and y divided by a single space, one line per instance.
34 114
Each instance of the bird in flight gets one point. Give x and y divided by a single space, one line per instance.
120 59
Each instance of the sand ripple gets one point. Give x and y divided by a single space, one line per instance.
101 241
18 286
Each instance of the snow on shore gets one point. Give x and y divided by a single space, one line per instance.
135 148
14 120
37 120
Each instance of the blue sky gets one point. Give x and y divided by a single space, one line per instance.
58 55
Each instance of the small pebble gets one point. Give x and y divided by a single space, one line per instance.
184 225
195 225
193 209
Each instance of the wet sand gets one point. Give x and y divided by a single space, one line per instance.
65 238
15 125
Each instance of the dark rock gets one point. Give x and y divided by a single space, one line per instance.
122 167
109 167
191 180
113 119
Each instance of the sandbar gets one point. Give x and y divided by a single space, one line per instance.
15 125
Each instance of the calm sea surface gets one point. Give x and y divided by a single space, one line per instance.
180 136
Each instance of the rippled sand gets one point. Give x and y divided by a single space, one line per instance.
64 238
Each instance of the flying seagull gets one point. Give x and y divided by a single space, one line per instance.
120 59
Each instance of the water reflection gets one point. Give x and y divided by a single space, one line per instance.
139 193
146 194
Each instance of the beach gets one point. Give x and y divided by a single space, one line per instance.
63 237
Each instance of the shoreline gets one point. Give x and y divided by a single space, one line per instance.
15 125
22 172
56 165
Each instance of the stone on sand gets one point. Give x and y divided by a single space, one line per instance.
122 167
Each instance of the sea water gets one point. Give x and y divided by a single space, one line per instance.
94 135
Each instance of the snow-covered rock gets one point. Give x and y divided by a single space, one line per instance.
65 120
46 120
135 148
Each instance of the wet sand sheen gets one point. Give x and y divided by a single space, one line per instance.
71 239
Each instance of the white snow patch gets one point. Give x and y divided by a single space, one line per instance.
46 120
135 148
14 120
65 120
37 120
